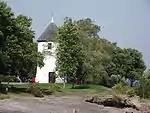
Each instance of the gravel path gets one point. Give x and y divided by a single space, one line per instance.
53 105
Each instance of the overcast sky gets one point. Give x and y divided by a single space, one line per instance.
126 22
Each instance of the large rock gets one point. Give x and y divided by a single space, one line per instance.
115 101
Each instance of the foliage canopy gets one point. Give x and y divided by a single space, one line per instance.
18 52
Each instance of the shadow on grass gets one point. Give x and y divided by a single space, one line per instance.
24 90
4 89
18 90
81 87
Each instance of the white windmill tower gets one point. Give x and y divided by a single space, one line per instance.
48 48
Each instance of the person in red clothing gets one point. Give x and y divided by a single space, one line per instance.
78 81
33 79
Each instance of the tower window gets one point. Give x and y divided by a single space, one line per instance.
49 45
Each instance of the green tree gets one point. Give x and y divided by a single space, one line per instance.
88 28
128 63
69 54
97 51
104 58
18 52
143 89
147 74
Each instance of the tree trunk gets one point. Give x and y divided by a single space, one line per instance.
6 88
131 84
64 84
73 83
19 79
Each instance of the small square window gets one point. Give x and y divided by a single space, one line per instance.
49 45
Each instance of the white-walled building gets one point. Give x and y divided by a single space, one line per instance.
48 48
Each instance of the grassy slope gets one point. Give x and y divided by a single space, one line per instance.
79 88
82 89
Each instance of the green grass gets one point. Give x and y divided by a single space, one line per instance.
4 96
83 88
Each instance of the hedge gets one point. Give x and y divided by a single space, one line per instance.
8 78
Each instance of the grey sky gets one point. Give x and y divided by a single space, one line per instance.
126 22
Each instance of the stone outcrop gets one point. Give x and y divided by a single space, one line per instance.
120 101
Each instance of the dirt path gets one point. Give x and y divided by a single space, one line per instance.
53 105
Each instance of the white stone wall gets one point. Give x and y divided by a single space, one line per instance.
50 61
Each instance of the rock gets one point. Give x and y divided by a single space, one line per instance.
75 110
130 110
115 101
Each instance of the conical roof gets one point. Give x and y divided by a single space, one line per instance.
48 33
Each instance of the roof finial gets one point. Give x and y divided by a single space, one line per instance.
52 20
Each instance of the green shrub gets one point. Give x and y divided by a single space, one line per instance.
3 88
35 90
54 88
143 90
3 96
120 88
38 91
114 79
131 91
8 78
123 89
47 91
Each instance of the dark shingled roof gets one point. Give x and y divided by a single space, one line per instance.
48 33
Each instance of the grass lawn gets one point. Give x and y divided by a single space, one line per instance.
83 89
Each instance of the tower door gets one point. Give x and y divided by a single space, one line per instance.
51 77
